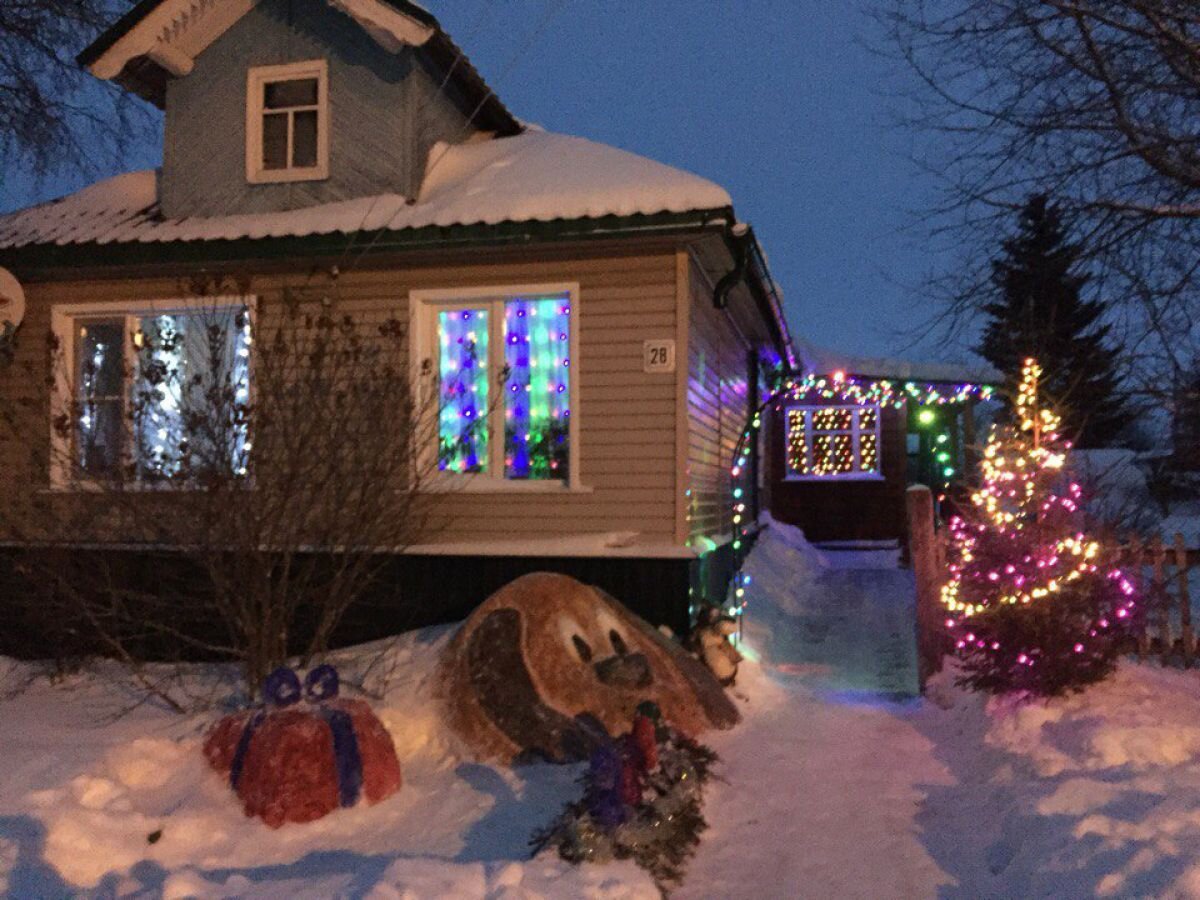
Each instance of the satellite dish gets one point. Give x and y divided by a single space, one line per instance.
12 301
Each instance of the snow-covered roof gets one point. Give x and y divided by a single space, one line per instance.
822 360
536 176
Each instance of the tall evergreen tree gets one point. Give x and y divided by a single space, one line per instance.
1038 311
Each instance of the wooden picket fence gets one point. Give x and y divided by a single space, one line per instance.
1160 573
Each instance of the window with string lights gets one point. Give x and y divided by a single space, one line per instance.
143 388
832 442
504 383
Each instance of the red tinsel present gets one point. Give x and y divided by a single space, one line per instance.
630 773
299 763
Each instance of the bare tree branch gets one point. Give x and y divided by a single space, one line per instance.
1093 103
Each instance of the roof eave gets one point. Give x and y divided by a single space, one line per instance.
117 30
52 261
770 300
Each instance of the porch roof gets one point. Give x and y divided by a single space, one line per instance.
822 361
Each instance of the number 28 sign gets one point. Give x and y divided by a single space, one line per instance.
658 355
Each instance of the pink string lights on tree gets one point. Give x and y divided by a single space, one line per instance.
1031 601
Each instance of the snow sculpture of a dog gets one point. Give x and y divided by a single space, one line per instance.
547 663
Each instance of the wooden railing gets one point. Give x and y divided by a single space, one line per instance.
1160 573
925 552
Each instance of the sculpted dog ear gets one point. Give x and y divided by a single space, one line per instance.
717 706
506 693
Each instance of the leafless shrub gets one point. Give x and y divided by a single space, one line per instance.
265 462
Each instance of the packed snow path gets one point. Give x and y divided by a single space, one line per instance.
824 801
841 621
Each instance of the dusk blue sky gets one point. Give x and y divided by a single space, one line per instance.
781 102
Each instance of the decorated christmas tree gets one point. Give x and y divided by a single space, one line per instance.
1033 602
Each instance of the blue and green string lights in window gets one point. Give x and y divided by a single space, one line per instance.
537 393
463 390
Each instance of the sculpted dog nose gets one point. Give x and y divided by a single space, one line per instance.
631 670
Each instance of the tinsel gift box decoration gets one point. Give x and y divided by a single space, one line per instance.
305 752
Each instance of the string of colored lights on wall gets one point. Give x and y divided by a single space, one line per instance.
845 388
1018 497
840 388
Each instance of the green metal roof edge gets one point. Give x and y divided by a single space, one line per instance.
58 258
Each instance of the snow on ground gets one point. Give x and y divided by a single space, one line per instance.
83 792
1097 794
825 790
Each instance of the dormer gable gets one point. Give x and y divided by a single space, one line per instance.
274 105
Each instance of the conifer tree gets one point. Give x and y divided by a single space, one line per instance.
1038 311
1033 603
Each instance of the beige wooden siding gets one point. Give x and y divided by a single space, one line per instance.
627 457
717 369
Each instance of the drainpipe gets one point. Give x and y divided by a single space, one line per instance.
737 238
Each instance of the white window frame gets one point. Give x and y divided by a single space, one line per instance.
63 473
256 80
423 307
855 432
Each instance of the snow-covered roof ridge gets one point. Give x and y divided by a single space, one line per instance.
536 176
821 360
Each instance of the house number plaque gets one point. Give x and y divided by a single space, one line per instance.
659 355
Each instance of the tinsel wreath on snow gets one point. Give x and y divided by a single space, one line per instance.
642 800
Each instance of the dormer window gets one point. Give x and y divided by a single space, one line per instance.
287 123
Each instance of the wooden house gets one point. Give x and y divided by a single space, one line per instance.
308 142
847 435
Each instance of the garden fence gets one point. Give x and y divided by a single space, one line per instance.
1161 572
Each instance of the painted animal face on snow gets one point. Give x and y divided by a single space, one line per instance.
547 649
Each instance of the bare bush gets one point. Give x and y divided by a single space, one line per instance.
265 462
52 112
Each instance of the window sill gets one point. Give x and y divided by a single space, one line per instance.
827 479
285 176
96 487
496 486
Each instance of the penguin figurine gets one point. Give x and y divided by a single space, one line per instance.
710 641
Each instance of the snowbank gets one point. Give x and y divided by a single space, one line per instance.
128 805
823 791
1096 794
